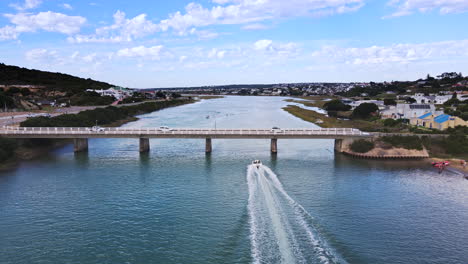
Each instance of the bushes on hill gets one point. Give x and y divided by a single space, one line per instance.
87 100
407 142
336 105
365 110
362 146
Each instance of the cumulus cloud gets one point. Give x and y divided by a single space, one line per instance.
28 4
407 7
142 52
8 32
249 11
398 53
123 30
42 56
282 49
215 53
66 6
48 21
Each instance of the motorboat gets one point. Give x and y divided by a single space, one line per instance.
257 163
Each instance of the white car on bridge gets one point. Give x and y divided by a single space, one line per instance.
95 129
165 129
276 130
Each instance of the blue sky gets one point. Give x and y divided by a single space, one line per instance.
144 44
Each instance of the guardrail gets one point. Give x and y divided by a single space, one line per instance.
7 130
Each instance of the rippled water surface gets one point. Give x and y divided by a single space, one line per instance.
178 205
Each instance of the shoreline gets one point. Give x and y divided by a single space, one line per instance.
312 117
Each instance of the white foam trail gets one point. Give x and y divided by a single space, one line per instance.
252 219
270 224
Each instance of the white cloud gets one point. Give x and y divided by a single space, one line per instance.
8 32
398 53
42 56
66 6
28 4
215 53
123 30
407 7
264 44
48 21
283 49
142 52
248 11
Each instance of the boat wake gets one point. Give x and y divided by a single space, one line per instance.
281 230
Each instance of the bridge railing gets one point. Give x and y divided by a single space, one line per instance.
180 131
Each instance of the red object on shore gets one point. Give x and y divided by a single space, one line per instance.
440 164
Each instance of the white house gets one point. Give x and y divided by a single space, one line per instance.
117 92
435 98
408 111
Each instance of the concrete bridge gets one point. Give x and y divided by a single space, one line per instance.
80 135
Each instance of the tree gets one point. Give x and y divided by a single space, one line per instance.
390 102
364 110
452 102
410 100
336 105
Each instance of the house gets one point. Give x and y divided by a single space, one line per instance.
435 98
440 122
117 92
408 111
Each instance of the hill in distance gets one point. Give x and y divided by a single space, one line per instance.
14 75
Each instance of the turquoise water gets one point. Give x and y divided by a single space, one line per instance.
178 205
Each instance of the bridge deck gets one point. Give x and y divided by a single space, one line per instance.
82 132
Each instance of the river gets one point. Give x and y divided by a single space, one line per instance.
179 205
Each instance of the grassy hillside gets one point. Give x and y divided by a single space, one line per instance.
10 75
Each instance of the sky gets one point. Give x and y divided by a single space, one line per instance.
159 43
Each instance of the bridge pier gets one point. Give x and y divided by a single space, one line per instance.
208 146
339 145
274 145
80 144
144 145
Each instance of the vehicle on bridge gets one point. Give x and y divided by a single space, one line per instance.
165 129
276 130
95 129
257 163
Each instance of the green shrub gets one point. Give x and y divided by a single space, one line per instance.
362 146
336 105
365 110
407 142
391 122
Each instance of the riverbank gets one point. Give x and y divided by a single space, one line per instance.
29 149
455 146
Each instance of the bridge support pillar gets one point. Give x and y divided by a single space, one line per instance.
144 145
208 146
274 145
80 144
339 145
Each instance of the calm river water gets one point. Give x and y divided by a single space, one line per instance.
178 205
